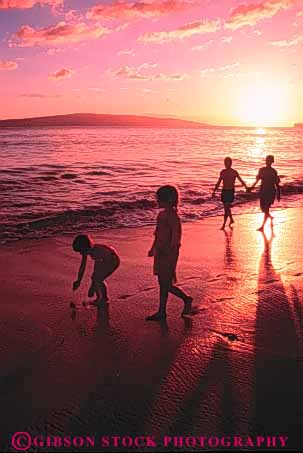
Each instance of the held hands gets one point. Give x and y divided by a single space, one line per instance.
76 285
248 189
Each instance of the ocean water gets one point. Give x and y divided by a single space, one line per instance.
67 180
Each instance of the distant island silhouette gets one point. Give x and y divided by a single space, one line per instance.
104 120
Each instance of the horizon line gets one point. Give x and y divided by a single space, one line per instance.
160 116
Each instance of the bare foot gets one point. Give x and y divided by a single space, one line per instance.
156 317
187 306
231 223
222 227
94 303
261 228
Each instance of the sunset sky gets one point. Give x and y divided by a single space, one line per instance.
233 62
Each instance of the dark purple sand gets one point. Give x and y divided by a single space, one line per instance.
233 369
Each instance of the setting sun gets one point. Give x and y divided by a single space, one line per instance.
263 105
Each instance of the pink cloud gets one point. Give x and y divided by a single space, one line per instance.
169 77
186 31
60 33
8 65
203 46
40 96
127 72
226 39
26 4
249 14
126 52
61 74
219 69
288 42
139 73
124 10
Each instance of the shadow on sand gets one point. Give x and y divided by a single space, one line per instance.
278 372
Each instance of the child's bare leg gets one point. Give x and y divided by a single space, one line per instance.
271 219
226 215
264 222
266 216
230 216
161 313
104 293
163 297
176 291
182 295
98 294
265 208
92 290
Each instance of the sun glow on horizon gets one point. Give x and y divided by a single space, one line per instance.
264 104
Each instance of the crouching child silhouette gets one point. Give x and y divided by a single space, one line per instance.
106 262
165 250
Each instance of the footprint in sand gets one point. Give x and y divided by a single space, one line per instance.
222 299
196 309
148 289
124 296
228 335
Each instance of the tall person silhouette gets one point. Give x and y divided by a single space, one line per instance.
270 189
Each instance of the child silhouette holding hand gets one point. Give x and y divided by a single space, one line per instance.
270 189
228 175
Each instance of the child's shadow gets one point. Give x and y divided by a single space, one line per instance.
102 314
164 327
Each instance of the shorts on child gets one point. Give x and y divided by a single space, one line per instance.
227 195
266 200
165 265
104 271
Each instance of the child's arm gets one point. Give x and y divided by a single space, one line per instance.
151 252
77 283
175 234
241 181
278 188
217 185
256 182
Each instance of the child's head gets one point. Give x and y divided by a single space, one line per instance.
167 196
228 162
269 160
82 243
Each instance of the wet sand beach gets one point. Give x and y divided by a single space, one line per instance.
235 368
